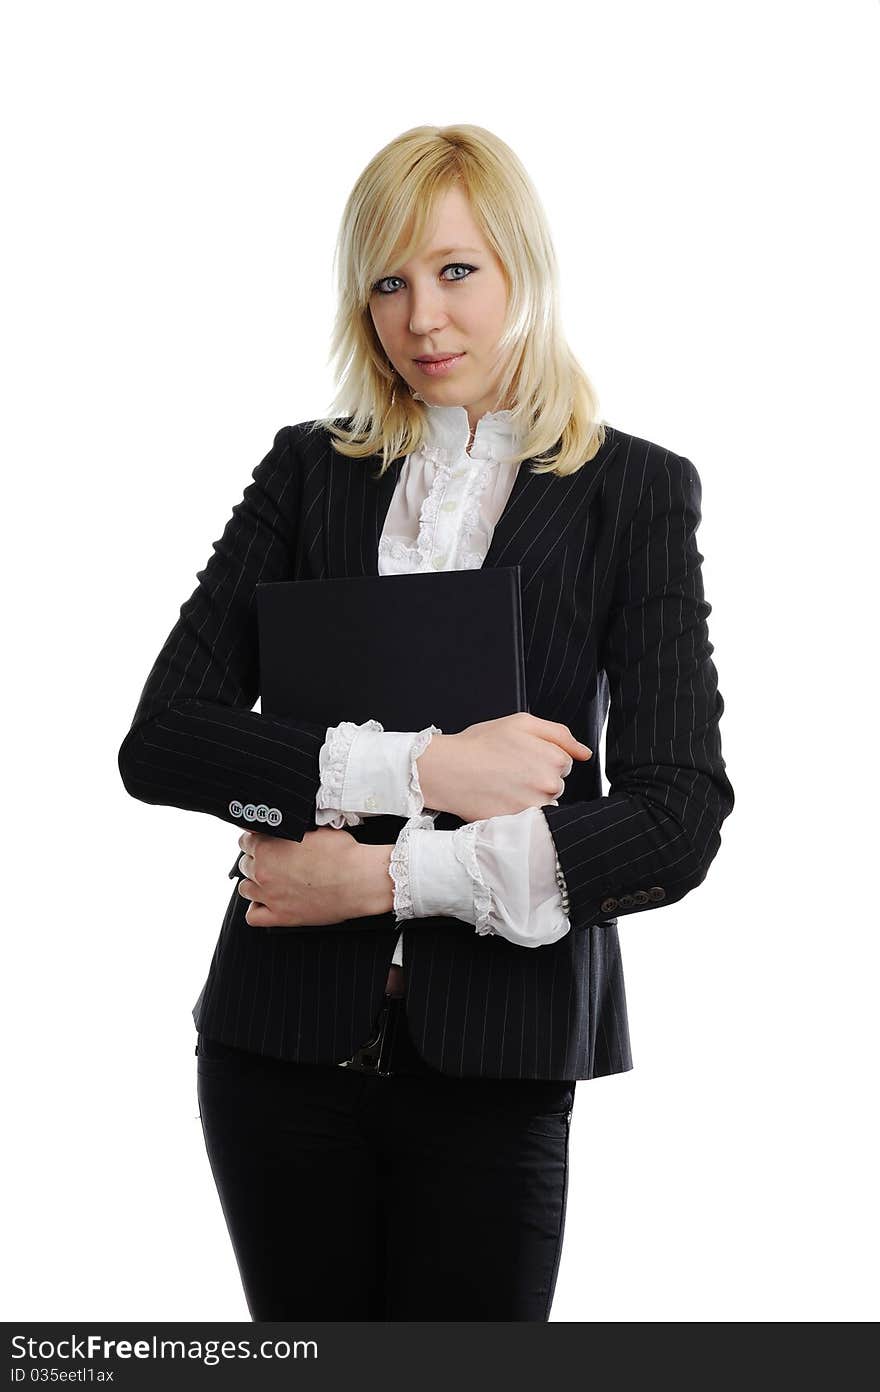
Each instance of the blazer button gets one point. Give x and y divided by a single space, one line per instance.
626 901
262 812
656 892
249 813
273 816
235 808
640 897
608 905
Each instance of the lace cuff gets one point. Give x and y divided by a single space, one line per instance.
464 840
399 867
415 800
332 764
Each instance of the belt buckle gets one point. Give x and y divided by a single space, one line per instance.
373 1056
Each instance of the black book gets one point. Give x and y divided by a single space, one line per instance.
408 650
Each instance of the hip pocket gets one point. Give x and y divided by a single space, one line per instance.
554 1117
214 1056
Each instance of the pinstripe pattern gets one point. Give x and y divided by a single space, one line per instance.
615 624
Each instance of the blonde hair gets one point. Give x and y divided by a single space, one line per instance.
386 217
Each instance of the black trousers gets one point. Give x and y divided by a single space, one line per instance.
405 1195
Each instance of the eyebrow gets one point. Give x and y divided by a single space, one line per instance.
447 251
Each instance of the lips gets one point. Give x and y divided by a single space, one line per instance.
438 357
438 367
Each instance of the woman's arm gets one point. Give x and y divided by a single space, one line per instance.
652 839
500 874
195 741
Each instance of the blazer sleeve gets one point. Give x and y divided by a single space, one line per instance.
195 742
652 839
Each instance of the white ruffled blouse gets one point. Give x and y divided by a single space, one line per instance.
502 873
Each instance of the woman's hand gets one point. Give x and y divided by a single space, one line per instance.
499 766
327 877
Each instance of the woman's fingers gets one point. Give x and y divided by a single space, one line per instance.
561 735
258 916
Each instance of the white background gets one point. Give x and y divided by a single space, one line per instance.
175 175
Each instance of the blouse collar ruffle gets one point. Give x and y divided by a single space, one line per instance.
447 431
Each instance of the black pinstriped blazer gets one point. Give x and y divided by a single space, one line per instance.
615 622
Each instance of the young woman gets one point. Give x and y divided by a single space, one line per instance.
386 1088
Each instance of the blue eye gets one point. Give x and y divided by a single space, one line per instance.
453 265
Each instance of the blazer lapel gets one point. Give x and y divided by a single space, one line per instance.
539 509
529 492
355 507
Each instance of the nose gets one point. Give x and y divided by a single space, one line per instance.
426 313
425 324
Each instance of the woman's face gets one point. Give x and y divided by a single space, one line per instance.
449 299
